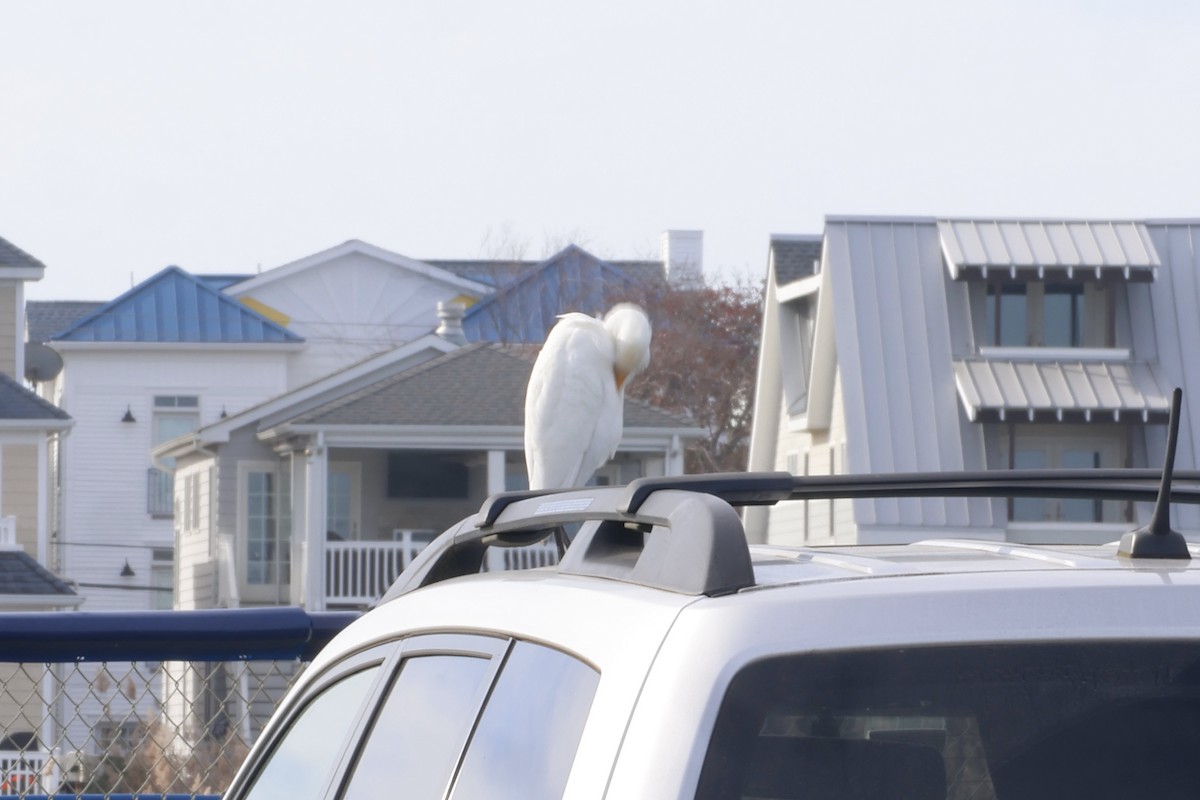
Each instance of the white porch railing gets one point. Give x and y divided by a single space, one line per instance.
8 531
26 771
358 573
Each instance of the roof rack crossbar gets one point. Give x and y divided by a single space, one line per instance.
768 488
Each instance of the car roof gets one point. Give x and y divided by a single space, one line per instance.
776 565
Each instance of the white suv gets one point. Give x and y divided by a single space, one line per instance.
665 658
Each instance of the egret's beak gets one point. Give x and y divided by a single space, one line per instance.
620 376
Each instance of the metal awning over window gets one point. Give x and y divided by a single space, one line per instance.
996 389
1048 249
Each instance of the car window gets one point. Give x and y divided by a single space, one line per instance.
300 764
1091 720
419 733
527 736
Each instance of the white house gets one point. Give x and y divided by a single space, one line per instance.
925 344
321 496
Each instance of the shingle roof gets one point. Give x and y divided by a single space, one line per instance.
21 574
479 384
13 256
175 306
44 318
19 403
795 257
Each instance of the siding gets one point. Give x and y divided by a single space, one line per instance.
8 330
893 336
19 482
105 460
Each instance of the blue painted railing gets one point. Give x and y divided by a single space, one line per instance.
214 635
220 635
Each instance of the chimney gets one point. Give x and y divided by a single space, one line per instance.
450 317
683 258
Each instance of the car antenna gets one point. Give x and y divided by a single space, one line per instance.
1156 539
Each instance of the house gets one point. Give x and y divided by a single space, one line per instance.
324 494
28 428
180 352
922 344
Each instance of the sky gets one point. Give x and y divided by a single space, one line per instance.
240 136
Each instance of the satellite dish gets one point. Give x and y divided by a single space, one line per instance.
42 363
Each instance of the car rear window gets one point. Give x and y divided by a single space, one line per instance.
990 722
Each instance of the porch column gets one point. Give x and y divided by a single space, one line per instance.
317 469
674 454
297 466
495 471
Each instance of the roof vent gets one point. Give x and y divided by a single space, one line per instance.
450 318
1156 539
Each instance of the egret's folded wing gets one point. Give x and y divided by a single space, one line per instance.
565 399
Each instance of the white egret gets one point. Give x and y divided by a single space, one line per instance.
574 405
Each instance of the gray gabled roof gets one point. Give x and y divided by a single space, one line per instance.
12 256
19 403
795 256
479 384
44 318
21 574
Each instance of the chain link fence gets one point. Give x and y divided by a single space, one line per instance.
144 703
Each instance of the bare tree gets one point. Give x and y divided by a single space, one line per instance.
703 361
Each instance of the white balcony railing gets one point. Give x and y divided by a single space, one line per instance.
25 771
358 573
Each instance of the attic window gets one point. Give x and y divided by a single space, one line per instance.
1047 314
797 323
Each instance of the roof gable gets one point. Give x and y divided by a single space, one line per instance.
174 306
356 246
523 311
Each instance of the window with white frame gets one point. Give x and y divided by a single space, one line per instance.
265 523
174 415
162 578
797 321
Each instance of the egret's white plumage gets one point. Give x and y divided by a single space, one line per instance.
574 405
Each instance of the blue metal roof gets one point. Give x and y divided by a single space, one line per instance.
525 310
175 306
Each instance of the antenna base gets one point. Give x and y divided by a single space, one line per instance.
1146 543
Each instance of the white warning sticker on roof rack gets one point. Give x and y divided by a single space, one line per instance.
564 506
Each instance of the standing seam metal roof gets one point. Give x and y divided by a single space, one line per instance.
997 388
1018 246
175 306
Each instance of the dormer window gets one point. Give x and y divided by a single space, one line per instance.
1047 314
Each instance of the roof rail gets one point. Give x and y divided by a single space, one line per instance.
681 534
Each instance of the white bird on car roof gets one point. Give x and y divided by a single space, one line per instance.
574 404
